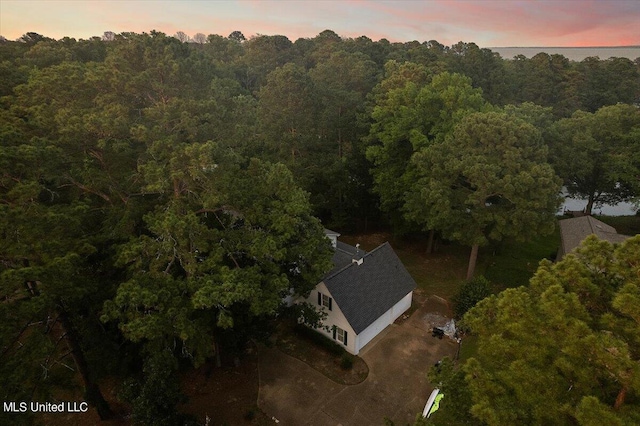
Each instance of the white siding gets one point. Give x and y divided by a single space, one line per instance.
337 318
334 317
383 322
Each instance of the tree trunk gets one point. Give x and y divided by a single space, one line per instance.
589 207
620 398
92 391
472 261
430 242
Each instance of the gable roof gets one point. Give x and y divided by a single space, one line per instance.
329 233
574 231
367 290
343 255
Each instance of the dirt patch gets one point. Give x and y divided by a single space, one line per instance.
439 272
418 299
225 396
109 388
329 364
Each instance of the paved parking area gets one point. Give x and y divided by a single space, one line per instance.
396 387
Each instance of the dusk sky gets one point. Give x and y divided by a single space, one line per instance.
488 23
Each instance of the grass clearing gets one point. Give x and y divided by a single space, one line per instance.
512 263
627 225
439 273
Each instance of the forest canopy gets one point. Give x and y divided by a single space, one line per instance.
156 193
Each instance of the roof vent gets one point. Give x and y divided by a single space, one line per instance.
357 256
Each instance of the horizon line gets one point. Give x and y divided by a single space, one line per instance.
566 47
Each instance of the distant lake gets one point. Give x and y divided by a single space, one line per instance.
622 209
572 53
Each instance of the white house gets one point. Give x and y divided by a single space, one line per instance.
363 294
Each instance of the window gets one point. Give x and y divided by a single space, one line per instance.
324 300
340 335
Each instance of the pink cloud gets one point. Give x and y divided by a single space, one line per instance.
486 22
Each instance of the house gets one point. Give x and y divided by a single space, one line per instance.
363 293
573 231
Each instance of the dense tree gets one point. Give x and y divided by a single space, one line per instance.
112 161
597 154
484 67
608 82
340 86
49 280
407 117
546 80
237 36
487 180
564 350
141 170
226 239
287 112
262 55
223 50
32 38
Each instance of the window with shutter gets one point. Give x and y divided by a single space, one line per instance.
325 300
340 335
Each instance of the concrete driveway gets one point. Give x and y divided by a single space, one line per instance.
396 386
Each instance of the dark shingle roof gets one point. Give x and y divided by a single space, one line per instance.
364 292
574 231
343 256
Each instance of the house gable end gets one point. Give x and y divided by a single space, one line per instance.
366 291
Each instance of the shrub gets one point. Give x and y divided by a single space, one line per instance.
318 339
346 362
470 294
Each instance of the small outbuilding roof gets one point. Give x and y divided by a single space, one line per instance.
366 285
574 231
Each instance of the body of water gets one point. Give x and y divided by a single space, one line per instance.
571 53
622 209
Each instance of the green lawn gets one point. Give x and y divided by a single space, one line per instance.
513 263
438 273
628 225
510 264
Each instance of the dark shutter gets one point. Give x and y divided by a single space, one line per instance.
319 298
334 332
330 300
345 337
